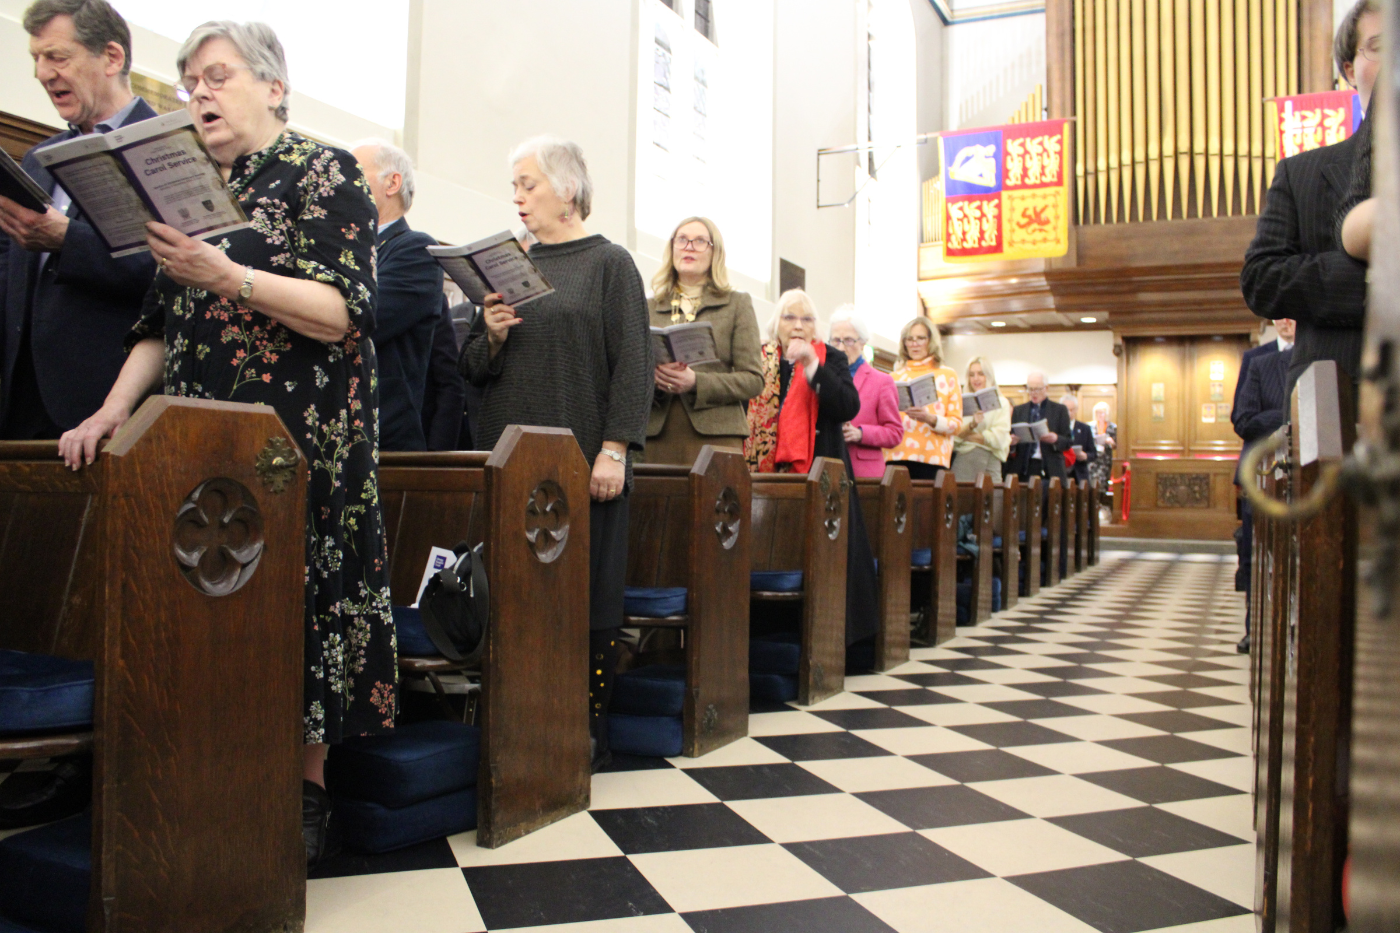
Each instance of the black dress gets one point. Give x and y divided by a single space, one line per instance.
838 401
312 218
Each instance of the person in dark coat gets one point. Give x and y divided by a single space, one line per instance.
67 304
410 297
467 320
1081 436
1046 458
808 396
444 396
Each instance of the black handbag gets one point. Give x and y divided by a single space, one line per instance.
456 606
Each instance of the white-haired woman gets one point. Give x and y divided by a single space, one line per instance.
808 395
280 314
927 446
578 358
693 285
1105 439
877 425
983 442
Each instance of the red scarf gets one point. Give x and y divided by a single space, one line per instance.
797 420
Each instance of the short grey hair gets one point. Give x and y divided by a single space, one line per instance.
389 159
256 43
562 163
1070 399
95 24
1032 374
1344 45
846 314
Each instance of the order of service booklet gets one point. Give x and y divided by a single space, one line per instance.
692 343
986 400
496 264
16 185
1027 432
157 169
916 393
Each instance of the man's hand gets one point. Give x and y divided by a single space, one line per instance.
36 232
1049 437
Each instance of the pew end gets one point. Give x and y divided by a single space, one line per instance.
890 500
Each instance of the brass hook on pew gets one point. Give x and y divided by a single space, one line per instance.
1328 482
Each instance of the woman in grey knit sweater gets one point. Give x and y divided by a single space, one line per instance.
579 358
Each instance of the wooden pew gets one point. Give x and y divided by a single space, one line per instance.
1083 504
1053 545
975 499
887 504
936 531
687 530
1092 554
1032 519
1006 519
799 522
176 562
1068 523
528 500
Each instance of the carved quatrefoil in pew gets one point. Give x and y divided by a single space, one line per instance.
727 517
834 503
218 536
901 513
547 521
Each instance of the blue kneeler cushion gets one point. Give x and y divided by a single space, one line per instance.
45 873
773 661
776 581
654 602
42 693
921 556
413 637
366 826
645 715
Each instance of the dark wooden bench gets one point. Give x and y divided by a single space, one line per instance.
1069 524
1052 545
689 529
1032 520
1091 556
888 504
528 501
935 536
1006 520
175 562
799 522
975 499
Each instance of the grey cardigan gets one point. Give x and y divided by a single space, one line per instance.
715 406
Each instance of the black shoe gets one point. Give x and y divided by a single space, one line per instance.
1243 646
29 798
316 823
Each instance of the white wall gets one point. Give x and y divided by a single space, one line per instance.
929 51
992 66
1084 357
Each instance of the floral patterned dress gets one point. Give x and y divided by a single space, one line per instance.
312 217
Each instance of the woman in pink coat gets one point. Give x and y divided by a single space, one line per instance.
879 424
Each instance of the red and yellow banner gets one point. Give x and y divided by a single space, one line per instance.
1006 192
1310 121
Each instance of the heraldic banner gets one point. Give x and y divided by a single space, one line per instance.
1006 192
1311 121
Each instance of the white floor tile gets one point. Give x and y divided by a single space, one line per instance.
573 837
876 682
887 772
1112 704
920 740
1028 662
985 693
1098 728
735 876
658 923
739 752
957 714
844 700
1232 772
815 816
988 905
793 722
1054 795
1129 685
1079 757
1010 676
1021 847
1233 815
1227 871
1231 740
434 900
659 787
1235 714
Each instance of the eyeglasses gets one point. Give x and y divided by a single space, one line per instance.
1371 50
699 244
912 338
213 77
791 319
847 341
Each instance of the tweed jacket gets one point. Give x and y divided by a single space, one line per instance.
716 404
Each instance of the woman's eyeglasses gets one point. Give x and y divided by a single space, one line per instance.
213 77
699 244
792 319
1371 49
847 341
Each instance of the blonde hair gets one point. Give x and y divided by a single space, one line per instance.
986 371
664 283
789 298
935 340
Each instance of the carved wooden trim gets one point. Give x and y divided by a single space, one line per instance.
218 536
547 521
1183 490
18 134
728 517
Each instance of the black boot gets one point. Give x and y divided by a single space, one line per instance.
29 798
1243 646
316 822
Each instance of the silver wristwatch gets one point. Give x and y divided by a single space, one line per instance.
614 454
246 290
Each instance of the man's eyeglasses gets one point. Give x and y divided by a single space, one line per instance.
213 77
1371 49
699 244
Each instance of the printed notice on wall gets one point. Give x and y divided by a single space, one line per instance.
1217 370
1208 413
1159 391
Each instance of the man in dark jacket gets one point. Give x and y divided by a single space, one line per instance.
444 395
1295 268
67 304
1081 436
410 297
1046 458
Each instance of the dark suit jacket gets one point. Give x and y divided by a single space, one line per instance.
406 315
1295 267
1263 404
74 314
444 396
1246 361
1083 435
1057 419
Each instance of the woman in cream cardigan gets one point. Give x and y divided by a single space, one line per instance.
984 440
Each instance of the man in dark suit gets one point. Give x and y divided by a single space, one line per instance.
445 395
1081 436
1295 268
67 304
1286 327
410 297
1046 458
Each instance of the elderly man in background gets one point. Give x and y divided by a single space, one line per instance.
1046 458
410 297
1082 437
67 304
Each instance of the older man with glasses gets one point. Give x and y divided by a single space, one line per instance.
1047 457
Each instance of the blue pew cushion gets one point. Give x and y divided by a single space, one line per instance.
413 637
408 765
652 736
654 602
921 556
45 873
996 540
654 690
372 827
776 581
777 653
774 688
1021 535
996 594
39 692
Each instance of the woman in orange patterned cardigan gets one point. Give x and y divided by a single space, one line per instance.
927 447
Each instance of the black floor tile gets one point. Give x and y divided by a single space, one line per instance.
914 696
1168 749
1008 734
870 719
434 854
747 782
1185 699
938 678
816 746
1196 666
935 807
1077 658
1175 721
966 664
1060 688
1126 897
877 863
1195 652
574 891
1157 785
1079 672
975 651
670 829
1188 681
1143 831
824 915
768 706
991 764
1035 709
624 762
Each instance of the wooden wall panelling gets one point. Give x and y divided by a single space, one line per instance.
1154 407
1208 358
18 134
